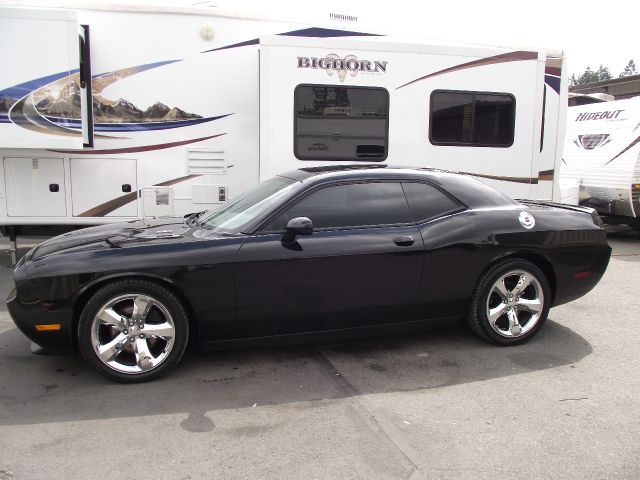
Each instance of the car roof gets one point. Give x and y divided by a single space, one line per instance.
470 191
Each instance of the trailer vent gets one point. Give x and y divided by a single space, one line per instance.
206 161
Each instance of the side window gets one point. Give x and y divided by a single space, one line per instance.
352 205
426 202
472 119
341 123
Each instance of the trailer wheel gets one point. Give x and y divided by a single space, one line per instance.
133 331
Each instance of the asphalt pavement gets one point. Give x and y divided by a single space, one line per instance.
439 404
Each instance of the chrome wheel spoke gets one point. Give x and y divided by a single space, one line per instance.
501 289
523 282
514 325
533 305
144 358
141 306
497 312
113 318
163 330
110 350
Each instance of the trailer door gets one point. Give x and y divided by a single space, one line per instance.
35 187
104 187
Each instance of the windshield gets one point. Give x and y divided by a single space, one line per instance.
233 216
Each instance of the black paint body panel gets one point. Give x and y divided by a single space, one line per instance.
247 285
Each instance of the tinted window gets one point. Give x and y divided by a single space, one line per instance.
427 202
343 123
470 118
350 205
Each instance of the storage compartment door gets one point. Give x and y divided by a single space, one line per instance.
104 187
35 187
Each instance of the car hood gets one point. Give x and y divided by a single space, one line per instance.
120 235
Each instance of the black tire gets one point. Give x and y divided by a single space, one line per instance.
485 295
162 308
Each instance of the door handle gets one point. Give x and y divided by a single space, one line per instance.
404 240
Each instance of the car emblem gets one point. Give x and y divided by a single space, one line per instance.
527 220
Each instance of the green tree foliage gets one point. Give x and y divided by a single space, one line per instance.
629 70
591 76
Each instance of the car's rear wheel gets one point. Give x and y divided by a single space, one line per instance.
133 330
510 303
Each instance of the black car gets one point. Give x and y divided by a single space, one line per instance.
311 254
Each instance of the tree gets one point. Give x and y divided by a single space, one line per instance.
591 76
629 70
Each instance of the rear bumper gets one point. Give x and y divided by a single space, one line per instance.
27 314
579 271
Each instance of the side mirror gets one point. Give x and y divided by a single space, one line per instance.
300 226
297 226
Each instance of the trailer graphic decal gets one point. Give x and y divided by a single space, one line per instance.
629 147
52 105
9 96
133 127
553 72
592 141
143 148
305 32
349 64
545 175
518 56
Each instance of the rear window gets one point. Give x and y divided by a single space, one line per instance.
427 202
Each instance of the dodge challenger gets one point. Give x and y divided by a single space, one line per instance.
312 254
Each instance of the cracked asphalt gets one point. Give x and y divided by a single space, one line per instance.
441 404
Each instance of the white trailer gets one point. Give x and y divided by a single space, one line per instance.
171 111
601 161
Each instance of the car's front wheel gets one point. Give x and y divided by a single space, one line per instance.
133 330
510 303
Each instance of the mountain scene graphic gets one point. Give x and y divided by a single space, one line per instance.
6 103
65 103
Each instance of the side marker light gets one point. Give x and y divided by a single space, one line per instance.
48 328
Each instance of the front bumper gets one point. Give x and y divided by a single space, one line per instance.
27 313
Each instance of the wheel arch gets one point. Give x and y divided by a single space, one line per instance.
91 288
539 260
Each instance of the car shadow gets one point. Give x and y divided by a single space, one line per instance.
40 389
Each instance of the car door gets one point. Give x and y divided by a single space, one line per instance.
361 265
453 260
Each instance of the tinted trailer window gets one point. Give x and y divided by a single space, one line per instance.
341 123
472 119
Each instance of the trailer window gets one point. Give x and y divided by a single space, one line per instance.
341 123
472 119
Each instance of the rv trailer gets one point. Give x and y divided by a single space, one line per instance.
127 113
601 161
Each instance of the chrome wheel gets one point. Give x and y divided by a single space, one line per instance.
133 333
515 303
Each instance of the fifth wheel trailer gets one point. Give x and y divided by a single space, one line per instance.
117 113
601 162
